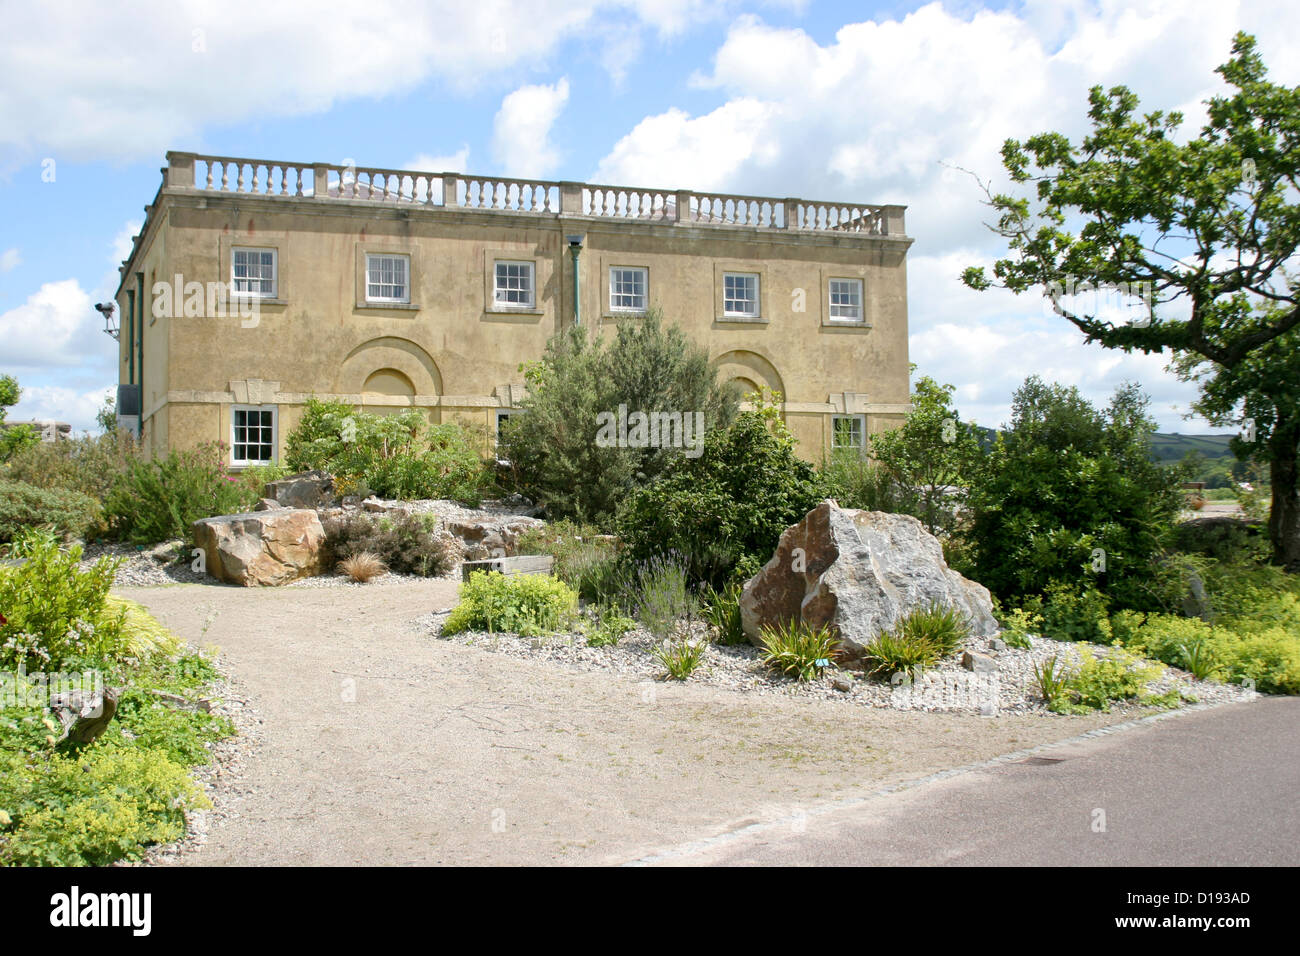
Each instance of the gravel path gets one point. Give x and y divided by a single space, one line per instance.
379 744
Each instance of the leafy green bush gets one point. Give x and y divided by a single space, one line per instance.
1018 625
610 628
394 456
1072 615
69 514
797 649
89 464
408 544
1100 681
1065 485
55 614
646 366
526 604
856 482
160 499
1051 677
727 506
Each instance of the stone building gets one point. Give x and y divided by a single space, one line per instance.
254 285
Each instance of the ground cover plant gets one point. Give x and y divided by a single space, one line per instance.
68 804
525 604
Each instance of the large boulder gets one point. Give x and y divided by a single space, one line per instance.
308 489
491 536
857 572
263 547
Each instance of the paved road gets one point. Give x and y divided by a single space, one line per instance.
1215 787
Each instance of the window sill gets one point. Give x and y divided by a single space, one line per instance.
837 324
499 310
743 320
627 314
388 306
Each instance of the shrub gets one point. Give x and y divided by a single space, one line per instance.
797 649
89 465
855 482
585 559
610 628
362 566
160 499
727 506
896 653
680 658
1018 625
1064 482
646 366
721 610
68 514
1073 615
943 628
662 598
526 604
1100 681
393 456
409 544
56 614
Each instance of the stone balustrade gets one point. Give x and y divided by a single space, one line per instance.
260 177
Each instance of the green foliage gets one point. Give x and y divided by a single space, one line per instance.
931 457
610 628
394 456
1051 677
10 392
1066 484
107 800
79 811
585 559
721 611
648 366
408 544
680 658
1070 615
1098 682
1227 198
898 653
797 649
14 439
727 506
855 482
90 465
159 499
23 507
1018 625
56 614
525 604
943 628
662 599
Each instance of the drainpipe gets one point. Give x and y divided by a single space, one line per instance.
139 294
130 337
575 249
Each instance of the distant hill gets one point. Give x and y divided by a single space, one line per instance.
1164 447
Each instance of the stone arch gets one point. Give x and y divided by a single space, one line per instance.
388 381
387 361
749 370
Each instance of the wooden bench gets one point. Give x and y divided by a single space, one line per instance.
523 564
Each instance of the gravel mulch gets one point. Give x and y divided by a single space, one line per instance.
947 686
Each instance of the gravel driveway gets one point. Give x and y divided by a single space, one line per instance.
380 745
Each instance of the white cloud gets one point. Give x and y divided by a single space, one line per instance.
56 402
10 259
872 115
76 80
121 246
521 130
55 326
457 162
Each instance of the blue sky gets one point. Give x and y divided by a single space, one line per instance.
812 98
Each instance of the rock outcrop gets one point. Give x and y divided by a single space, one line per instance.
309 489
858 572
262 548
